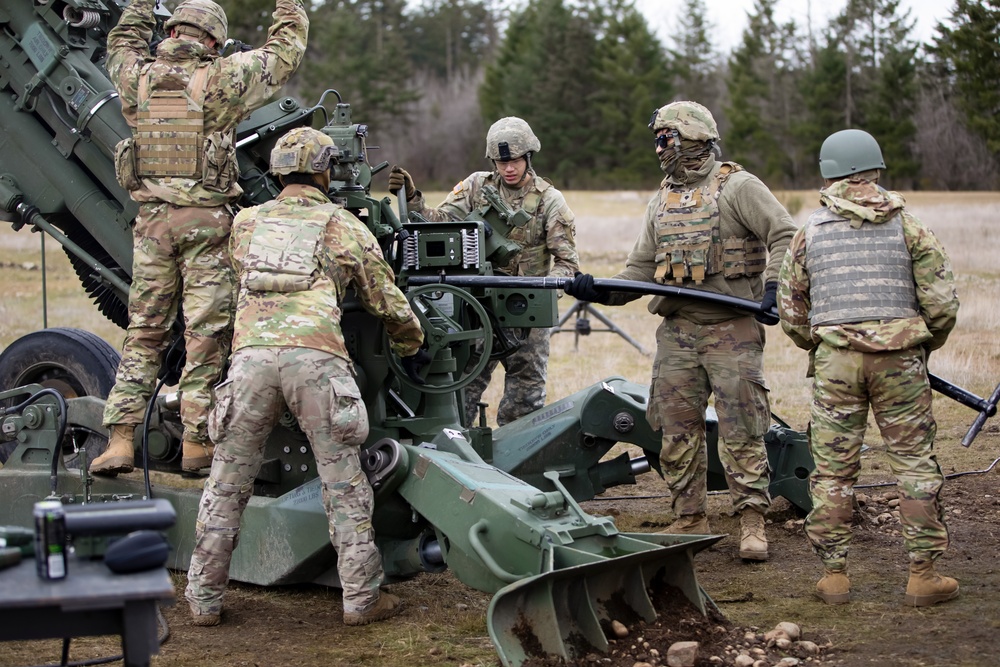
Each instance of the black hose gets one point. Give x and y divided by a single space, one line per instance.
164 636
145 435
60 428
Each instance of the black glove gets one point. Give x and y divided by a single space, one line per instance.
769 305
414 363
399 178
582 287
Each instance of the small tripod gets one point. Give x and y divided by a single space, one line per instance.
582 325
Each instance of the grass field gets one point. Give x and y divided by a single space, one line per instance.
444 623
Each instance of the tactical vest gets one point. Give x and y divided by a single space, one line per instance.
689 243
857 274
282 256
170 132
533 260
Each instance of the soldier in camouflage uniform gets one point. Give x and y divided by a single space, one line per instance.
295 258
548 248
711 226
868 290
180 165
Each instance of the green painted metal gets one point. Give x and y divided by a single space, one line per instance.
500 509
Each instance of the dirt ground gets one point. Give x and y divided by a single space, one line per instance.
444 621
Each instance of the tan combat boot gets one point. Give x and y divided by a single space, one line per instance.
196 455
927 587
834 587
120 454
753 541
204 620
387 606
688 524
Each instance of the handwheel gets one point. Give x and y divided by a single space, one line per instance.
455 324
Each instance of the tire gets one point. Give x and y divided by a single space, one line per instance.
74 362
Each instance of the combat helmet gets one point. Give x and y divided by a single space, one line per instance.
690 119
304 151
510 138
849 152
203 14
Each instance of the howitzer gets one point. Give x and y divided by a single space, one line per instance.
986 407
500 510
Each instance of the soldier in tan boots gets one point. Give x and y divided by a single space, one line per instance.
868 290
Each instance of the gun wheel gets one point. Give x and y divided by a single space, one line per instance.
75 363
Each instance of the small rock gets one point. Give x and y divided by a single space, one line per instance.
743 661
593 657
759 652
434 651
862 498
750 637
791 630
787 662
619 629
642 664
894 502
784 643
760 663
884 517
653 652
956 511
461 606
716 660
682 654
807 647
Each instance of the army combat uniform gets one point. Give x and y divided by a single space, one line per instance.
720 229
186 95
548 248
295 259
868 290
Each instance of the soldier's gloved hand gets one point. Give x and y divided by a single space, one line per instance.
769 305
414 363
582 287
399 178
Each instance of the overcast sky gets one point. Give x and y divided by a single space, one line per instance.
730 16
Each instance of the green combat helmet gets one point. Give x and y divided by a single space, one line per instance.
849 152
304 151
203 14
690 119
509 138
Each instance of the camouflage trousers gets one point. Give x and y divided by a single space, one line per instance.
523 384
895 385
692 362
319 389
180 261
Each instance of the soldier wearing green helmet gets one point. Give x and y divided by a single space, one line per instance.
712 226
183 104
868 290
294 258
548 248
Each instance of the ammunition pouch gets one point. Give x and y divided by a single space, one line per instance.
743 257
220 168
125 167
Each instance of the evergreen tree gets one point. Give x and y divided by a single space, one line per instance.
632 80
544 73
695 61
763 98
357 48
968 55
448 37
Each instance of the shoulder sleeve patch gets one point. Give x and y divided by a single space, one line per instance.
459 188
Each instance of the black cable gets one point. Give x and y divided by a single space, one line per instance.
60 427
160 620
145 435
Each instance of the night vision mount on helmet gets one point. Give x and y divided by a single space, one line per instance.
510 138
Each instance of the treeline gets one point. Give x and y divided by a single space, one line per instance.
430 77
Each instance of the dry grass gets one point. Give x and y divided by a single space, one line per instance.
450 618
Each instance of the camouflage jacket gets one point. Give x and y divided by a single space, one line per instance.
932 276
548 241
236 84
348 257
746 207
